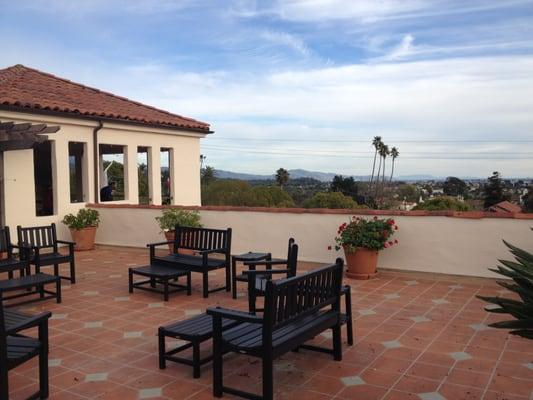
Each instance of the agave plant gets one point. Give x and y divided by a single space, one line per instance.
521 273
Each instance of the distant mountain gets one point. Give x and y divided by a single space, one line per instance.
321 176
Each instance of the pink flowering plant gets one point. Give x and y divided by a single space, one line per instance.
372 234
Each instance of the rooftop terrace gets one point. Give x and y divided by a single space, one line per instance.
418 336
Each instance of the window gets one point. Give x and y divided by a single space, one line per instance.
166 182
112 183
143 175
44 185
76 171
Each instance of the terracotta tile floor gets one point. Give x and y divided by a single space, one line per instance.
418 336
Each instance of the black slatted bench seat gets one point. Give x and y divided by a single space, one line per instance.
194 330
36 282
162 275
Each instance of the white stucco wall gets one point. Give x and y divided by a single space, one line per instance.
427 243
19 207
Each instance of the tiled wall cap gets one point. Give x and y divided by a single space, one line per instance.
416 213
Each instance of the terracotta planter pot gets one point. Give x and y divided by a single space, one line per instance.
169 235
362 263
84 238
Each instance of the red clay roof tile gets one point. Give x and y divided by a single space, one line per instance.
28 88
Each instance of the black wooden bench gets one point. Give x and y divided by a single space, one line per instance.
16 349
194 330
159 275
27 285
296 310
205 242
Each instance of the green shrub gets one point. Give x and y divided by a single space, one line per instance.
331 200
442 203
85 218
170 217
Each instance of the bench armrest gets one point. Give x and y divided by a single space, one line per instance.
221 250
66 242
236 315
29 322
266 262
159 244
253 273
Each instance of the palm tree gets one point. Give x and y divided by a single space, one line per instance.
383 152
394 154
379 150
376 142
282 177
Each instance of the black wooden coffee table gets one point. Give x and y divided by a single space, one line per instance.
159 275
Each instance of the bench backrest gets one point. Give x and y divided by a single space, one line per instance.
289 299
5 242
187 237
38 236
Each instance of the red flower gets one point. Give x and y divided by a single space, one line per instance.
391 243
395 241
395 227
329 247
375 218
385 234
387 245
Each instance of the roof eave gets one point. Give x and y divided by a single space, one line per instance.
29 110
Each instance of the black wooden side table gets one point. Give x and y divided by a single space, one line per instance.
250 256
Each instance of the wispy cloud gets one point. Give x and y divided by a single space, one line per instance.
286 39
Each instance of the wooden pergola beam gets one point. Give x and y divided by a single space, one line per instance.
24 135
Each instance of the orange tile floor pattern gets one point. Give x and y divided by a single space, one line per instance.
418 336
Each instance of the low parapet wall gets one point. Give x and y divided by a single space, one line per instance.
441 242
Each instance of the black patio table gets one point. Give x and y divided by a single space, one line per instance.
250 256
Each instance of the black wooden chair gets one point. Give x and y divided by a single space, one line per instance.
296 310
12 263
16 349
257 278
39 238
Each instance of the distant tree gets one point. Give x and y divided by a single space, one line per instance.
282 177
408 193
331 200
228 192
346 186
376 142
144 191
207 175
528 201
394 154
493 190
454 186
442 203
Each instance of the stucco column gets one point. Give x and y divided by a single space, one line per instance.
131 179
154 170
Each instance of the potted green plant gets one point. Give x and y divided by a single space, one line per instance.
361 240
170 217
83 228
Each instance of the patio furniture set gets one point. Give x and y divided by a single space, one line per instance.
296 308
37 247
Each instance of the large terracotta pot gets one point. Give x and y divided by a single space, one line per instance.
84 238
362 263
169 235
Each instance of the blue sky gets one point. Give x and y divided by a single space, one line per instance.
307 84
